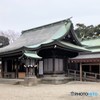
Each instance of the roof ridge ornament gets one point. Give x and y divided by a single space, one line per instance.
69 19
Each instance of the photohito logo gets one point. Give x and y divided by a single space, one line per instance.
84 94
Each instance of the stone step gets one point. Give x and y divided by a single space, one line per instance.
56 80
11 81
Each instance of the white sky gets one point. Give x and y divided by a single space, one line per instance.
20 15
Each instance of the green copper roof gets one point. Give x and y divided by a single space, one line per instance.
32 55
62 31
58 34
95 50
72 46
42 36
92 42
93 45
35 37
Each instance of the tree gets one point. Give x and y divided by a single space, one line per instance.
81 30
97 29
87 32
10 34
4 41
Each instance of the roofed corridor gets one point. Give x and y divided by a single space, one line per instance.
85 75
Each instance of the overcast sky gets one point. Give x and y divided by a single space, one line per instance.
20 15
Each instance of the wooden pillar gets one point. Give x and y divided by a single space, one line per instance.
53 65
17 63
0 69
80 71
90 68
16 70
99 68
5 66
13 73
27 72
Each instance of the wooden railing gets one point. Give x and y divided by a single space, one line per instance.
74 73
86 76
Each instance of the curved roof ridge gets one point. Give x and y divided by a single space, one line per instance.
42 26
75 36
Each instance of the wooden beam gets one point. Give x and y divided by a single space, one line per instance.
91 64
80 72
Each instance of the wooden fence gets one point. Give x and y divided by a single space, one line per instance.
86 76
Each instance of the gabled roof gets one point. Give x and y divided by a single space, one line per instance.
34 38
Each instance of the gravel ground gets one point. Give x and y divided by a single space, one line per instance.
49 92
